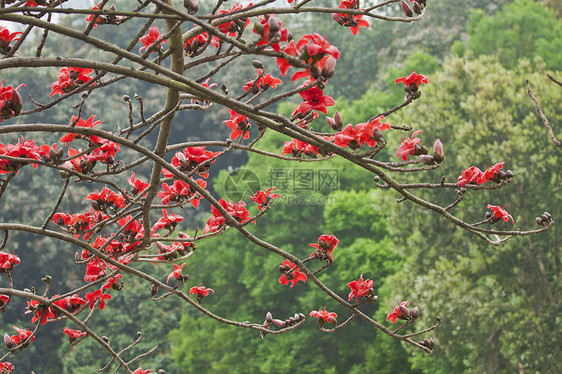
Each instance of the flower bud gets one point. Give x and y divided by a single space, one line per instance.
105 339
329 67
257 64
544 217
268 317
405 312
406 8
538 220
153 290
8 341
488 215
548 216
338 18
427 159
339 121
415 312
278 322
438 154
501 174
273 25
417 7
332 123
377 134
509 174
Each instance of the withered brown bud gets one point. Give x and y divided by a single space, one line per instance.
544 217
302 316
501 174
153 290
488 215
548 215
192 6
126 98
509 174
538 220
376 179
105 339
377 135
417 149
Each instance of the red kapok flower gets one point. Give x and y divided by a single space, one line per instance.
176 273
408 146
201 292
239 124
8 262
6 367
4 300
167 221
470 175
141 371
89 123
324 315
150 38
263 83
413 79
392 317
314 99
325 246
264 198
95 296
5 38
73 334
490 173
137 186
10 101
22 336
500 213
360 288
353 21
291 274
70 78
112 283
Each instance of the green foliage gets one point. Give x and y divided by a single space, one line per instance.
523 29
497 303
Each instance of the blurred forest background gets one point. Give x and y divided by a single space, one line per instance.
500 306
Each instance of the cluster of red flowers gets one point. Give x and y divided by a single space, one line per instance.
70 78
79 223
6 367
353 21
137 186
324 247
8 261
261 83
172 251
270 31
43 313
106 199
23 335
10 101
167 221
191 158
297 148
238 211
232 27
176 273
290 273
23 149
475 175
363 133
